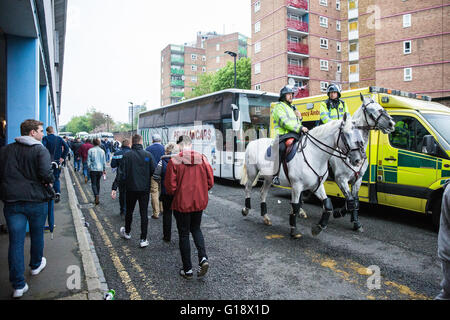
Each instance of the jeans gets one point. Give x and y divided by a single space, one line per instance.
108 155
17 215
57 184
77 163
95 182
167 216
86 170
190 223
131 198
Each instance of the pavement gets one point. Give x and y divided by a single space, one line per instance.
73 271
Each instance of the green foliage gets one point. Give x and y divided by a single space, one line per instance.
77 124
224 78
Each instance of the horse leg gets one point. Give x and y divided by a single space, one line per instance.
264 190
251 176
357 226
341 212
327 211
296 206
302 213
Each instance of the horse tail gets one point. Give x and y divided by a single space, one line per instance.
244 175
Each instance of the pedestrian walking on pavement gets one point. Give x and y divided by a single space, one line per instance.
136 169
188 178
97 167
171 150
83 151
157 151
76 156
444 244
117 184
26 179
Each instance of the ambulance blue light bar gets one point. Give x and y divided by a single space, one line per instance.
374 89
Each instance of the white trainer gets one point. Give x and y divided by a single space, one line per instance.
143 243
124 234
35 272
18 293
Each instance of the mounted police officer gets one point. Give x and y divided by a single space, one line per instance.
288 124
333 108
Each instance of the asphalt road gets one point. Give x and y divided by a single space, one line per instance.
249 260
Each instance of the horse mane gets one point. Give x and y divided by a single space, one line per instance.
324 129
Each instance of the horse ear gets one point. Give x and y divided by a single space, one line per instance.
362 98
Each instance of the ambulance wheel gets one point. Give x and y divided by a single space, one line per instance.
436 212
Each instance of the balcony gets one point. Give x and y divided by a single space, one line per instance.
179 83
353 56
298 71
297 47
297 25
299 4
302 93
352 14
353 77
353 35
174 59
177 94
176 71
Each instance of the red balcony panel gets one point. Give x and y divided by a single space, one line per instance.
297 25
298 71
301 93
301 4
298 47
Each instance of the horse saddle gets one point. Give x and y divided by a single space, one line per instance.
291 148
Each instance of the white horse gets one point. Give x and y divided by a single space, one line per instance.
369 116
307 170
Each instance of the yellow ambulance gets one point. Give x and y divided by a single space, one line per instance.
407 168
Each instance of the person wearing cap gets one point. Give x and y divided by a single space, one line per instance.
333 108
157 151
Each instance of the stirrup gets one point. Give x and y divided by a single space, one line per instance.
276 180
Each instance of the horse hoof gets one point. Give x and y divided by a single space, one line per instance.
245 212
358 228
302 214
315 230
267 221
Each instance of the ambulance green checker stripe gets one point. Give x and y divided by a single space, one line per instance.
406 159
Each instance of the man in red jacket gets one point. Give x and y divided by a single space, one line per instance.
83 152
188 178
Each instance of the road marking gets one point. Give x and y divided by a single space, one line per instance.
125 277
274 236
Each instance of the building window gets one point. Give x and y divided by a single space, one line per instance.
406 47
257 27
203 58
353 68
257 47
257 6
353 26
218 47
293 39
323 3
339 67
203 69
217 59
323 43
338 4
338 25
406 20
338 46
352 4
194 79
194 67
323 21
323 86
193 56
407 74
257 86
324 65
257 68
353 47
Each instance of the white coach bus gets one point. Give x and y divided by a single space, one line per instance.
220 125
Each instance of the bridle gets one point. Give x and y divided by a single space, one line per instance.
383 113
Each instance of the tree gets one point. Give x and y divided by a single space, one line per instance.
224 78
77 124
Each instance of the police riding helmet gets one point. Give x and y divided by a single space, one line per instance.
285 90
332 87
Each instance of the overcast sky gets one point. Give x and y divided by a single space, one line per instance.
113 48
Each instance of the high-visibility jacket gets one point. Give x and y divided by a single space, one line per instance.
285 119
332 113
401 134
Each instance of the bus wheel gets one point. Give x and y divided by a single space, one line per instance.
436 212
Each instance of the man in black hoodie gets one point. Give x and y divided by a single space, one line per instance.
25 176
136 170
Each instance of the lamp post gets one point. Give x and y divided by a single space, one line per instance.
132 117
234 55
